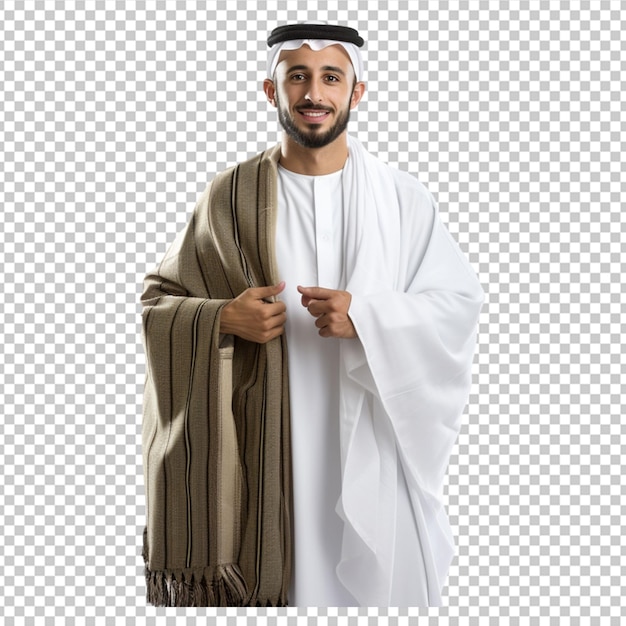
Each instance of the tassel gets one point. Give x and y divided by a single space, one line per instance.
156 588
199 595
183 592
211 600
231 585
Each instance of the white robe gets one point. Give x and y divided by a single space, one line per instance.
373 418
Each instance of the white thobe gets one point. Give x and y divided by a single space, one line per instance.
310 252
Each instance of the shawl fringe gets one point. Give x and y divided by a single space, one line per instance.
227 589
189 588
223 585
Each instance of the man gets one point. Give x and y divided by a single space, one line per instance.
317 248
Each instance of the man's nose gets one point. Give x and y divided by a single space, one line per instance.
314 93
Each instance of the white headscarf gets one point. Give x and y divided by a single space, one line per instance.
315 44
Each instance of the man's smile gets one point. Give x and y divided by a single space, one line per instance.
314 115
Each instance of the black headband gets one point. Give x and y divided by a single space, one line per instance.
314 31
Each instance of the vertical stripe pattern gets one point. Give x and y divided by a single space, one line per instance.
216 417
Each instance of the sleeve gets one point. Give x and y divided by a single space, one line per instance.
404 382
417 342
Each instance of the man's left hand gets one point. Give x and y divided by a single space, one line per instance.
329 307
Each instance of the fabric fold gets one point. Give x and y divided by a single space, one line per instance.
215 433
415 305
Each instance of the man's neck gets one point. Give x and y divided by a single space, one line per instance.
313 161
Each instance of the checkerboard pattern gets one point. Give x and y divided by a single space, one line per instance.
113 117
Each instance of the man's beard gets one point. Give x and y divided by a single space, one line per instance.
312 138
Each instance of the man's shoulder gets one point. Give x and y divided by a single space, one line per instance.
402 180
402 177
408 184
253 164
246 182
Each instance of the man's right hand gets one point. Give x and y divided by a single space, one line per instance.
253 316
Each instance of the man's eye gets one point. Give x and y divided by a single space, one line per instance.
332 79
298 77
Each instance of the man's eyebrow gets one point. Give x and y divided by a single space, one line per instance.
326 68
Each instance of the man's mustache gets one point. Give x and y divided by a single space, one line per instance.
312 107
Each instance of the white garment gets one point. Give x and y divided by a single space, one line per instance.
393 397
308 242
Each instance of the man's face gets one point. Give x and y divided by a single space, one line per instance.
314 92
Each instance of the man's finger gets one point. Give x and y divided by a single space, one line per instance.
266 293
316 293
315 307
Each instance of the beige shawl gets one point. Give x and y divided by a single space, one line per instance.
216 464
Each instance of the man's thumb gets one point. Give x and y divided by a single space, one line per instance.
265 293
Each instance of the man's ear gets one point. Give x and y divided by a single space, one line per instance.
270 91
357 94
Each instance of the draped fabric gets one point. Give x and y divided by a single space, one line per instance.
217 469
404 384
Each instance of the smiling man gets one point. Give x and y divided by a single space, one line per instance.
316 109
309 340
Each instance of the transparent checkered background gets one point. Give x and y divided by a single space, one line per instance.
114 115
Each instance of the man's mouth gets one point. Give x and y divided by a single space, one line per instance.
314 115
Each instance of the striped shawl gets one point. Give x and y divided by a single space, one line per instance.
216 465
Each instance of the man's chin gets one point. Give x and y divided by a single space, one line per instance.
313 135
313 140
305 126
